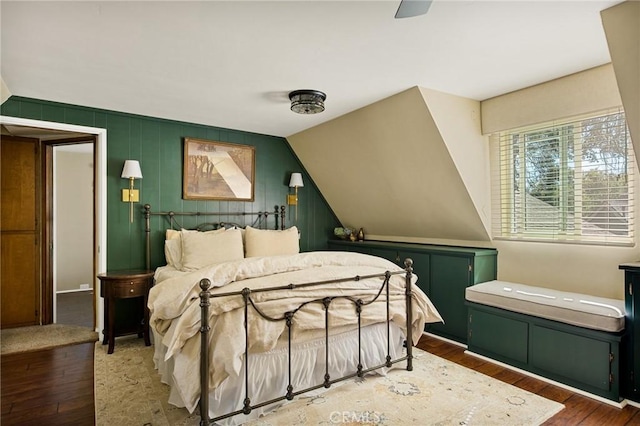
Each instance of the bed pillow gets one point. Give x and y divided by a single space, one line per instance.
173 252
265 242
200 249
173 246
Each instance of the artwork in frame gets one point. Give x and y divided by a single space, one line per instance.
218 171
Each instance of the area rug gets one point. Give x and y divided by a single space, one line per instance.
36 337
437 392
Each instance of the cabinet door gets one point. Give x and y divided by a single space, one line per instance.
450 275
632 305
389 254
421 267
349 246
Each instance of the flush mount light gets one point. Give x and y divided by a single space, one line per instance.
307 101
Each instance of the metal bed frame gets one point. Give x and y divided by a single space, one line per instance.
359 304
246 293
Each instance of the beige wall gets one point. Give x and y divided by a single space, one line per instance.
584 92
74 220
387 168
4 91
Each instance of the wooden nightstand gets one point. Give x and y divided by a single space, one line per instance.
116 285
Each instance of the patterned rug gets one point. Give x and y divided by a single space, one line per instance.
436 392
36 337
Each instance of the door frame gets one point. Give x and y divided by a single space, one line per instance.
100 191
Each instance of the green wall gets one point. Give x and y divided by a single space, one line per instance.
158 144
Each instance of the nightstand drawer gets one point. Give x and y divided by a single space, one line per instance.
132 288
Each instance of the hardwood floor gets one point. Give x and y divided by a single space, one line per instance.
579 410
52 387
55 387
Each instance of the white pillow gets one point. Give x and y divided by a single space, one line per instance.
200 249
173 252
265 242
173 246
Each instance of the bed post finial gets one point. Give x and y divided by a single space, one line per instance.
204 351
147 234
282 215
408 265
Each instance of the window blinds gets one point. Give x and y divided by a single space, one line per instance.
569 181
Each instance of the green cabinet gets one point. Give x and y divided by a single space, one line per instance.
583 358
443 274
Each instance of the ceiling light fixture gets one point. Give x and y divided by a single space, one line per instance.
307 101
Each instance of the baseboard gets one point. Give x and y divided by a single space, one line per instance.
453 342
75 290
620 404
632 403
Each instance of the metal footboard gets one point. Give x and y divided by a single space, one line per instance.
359 304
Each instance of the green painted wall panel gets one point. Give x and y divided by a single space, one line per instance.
158 145
52 113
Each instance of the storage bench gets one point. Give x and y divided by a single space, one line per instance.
570 338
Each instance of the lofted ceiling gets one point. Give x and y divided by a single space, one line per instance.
232 64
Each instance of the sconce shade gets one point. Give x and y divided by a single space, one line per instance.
131 170
296 180
307 101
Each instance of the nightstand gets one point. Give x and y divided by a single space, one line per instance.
127 284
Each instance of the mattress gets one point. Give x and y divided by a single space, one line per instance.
269 379
582 310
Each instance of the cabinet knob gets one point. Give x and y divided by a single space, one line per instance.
131 291
131 283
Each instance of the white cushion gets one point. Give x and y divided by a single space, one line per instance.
200 249
583 310
266 242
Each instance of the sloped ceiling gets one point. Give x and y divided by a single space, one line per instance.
386 167
622 28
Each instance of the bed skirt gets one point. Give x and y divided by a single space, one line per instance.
269 369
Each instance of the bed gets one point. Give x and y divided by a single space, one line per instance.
243 322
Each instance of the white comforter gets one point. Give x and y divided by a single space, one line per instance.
175 310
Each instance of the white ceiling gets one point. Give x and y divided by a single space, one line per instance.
232 64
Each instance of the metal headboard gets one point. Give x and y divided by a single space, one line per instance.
278 213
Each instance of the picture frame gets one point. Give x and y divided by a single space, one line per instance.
218 171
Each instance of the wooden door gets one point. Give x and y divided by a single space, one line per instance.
20 242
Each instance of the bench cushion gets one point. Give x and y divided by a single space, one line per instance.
597 313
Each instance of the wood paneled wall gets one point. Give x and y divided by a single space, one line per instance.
158 145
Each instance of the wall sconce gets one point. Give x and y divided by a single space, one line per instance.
131 171
295 182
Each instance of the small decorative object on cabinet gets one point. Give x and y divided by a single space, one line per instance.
117 285
444 272
361 235
631 368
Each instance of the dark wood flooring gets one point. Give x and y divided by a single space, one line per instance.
52 387
55 387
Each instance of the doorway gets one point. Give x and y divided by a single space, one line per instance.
72 190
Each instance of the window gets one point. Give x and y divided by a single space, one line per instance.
568 181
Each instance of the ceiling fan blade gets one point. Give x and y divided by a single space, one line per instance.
409 8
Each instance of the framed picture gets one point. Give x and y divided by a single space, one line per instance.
218 171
